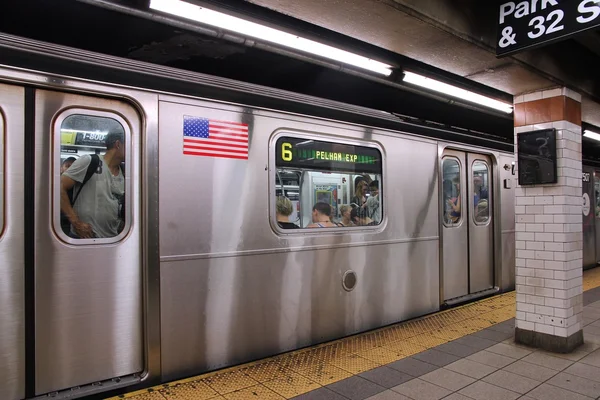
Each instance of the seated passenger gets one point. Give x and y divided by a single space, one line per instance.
283 210
321 216
346 219
359 217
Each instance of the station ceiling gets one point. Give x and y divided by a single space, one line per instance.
453 39
459 36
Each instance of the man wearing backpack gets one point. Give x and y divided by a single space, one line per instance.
64 221
98 185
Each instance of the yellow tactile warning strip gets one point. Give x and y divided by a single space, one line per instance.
291 374
591 279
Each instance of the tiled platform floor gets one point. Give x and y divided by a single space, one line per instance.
486 365
466 353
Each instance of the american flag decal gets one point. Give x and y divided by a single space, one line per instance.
212 138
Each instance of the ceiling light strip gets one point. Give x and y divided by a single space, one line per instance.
454 91
234 24
591 135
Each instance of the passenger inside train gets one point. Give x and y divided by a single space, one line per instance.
359 217
321 216
284 209
482 211
96 209
66 164
64 221
320 190
480 192
325 180
597 194
451 171
454 202
360 192
345 212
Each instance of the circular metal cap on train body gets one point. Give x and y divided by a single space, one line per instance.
349 280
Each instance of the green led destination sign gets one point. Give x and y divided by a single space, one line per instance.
326 156
288 154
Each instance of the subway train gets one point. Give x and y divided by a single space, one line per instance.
203 274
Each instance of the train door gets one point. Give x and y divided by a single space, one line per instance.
87 315
12 264
588 217
467 226
596 210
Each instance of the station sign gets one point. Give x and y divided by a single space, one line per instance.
527 24
536 157
326 156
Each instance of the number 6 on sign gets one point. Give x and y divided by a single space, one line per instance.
286 152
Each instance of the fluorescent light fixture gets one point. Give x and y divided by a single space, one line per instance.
592 135
234 24
445 88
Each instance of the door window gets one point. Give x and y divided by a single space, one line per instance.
480 193
1 174
451 191
91 180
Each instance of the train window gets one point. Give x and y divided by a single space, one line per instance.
1 174
322 184
481 184
451 191
90 182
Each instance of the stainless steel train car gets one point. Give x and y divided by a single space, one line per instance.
591 215
202 275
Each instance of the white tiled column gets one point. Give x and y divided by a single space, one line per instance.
549 246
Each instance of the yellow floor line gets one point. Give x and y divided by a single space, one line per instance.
291 374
